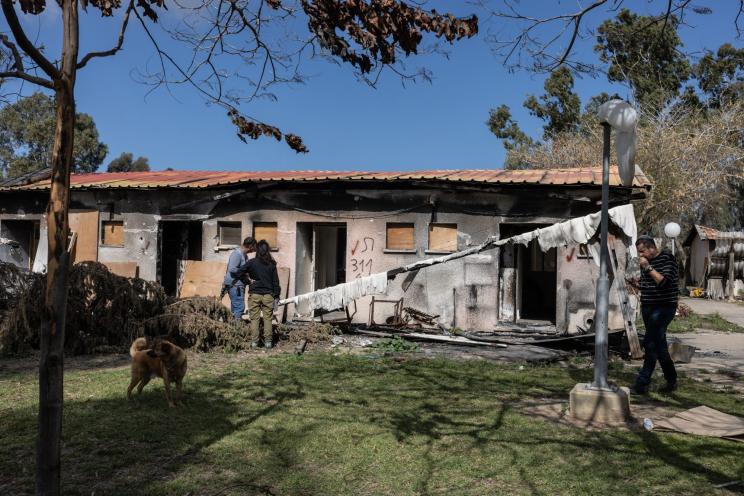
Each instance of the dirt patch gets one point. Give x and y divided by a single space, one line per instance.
556 411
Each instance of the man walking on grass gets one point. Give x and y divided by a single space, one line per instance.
659 295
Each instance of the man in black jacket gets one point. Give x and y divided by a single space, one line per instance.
659 295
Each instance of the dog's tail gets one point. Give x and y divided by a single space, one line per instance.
139 344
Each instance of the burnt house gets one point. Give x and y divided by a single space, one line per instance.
327 227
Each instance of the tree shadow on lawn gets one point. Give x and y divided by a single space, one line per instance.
257 432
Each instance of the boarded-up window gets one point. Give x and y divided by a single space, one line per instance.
112 233
267 231
443 237
230 233
400 237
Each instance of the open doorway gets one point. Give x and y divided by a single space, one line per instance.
537 283
320 257
179 241
20 238
531 277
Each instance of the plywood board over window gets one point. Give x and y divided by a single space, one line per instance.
85 225
399 236
267 231
112 233
230 233
443 237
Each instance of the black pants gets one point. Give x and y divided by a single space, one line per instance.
656 320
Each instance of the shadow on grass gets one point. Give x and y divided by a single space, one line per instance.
337 425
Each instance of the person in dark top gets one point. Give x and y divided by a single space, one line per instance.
659 295
263 294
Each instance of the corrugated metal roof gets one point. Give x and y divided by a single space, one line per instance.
709 233
205 179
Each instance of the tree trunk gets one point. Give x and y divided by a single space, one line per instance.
52 337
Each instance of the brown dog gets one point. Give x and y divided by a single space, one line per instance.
157 358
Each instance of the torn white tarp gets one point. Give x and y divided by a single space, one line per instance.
581 230
42 254
623 118
339 296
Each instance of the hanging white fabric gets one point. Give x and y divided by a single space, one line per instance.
583 229
340 295
623 118
575 231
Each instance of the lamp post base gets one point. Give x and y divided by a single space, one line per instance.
600 405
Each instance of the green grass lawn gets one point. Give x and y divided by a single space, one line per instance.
352 425
695 322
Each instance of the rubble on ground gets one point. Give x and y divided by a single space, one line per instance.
201 323
15 282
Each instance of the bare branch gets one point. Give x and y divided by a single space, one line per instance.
119 44
46 83
577 24
18 59
20 37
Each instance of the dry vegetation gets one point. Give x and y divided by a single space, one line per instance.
695 160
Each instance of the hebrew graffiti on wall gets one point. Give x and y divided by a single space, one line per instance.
362 256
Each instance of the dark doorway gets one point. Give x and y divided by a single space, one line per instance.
20 240
330 255
179 241
534 275
538 282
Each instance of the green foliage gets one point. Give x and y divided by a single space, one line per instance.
27 135
645 52
696 322
126 163
501 124
720 77
690 142
396 345
559 107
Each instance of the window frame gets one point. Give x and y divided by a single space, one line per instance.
412 225
264 223
102 233
429 249
220 225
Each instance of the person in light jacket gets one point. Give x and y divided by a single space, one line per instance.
233 282
263 294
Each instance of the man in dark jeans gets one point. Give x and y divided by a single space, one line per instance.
659 295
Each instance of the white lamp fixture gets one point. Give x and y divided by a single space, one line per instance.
672 230
623 118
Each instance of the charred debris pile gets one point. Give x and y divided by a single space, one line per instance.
107 311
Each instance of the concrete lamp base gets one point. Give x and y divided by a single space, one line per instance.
600 406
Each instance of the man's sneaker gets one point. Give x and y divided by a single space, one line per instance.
254 345
268 345
670 387
638 390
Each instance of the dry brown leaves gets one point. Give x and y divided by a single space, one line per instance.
100 306
254 130
380 28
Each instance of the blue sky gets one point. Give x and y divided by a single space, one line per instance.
346 124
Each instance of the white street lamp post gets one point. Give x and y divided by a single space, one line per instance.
672 230
621 116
